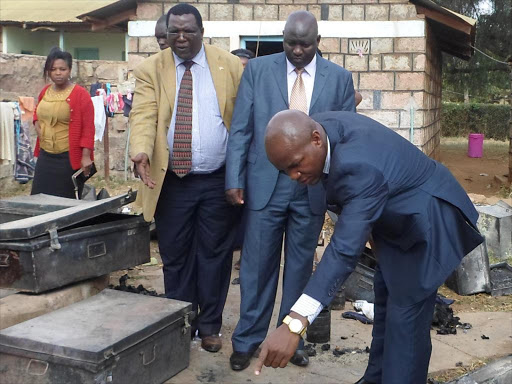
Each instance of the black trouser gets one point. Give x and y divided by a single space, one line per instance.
195 227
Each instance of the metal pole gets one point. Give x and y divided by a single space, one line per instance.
106 162
126 154
510 125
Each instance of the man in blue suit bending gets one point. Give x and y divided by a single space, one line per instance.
422 223
295 79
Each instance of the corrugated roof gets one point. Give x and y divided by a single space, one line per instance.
42 11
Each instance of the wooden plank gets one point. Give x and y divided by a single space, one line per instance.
101 24
452 22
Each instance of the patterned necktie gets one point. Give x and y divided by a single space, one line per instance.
181 162
298 97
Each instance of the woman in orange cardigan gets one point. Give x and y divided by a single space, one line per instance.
64 121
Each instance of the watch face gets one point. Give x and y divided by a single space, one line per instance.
295 325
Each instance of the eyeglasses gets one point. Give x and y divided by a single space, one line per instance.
185 35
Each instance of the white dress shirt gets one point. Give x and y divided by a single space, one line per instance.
307 306
308 77
209 134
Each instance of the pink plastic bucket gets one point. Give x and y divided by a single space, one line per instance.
475 144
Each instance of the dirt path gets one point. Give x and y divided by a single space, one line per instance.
476 175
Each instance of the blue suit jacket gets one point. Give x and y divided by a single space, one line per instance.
421 219
262 93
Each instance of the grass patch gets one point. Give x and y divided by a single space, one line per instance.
505 191
452 374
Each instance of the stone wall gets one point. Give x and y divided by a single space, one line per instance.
22 75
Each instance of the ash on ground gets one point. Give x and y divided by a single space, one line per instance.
311 350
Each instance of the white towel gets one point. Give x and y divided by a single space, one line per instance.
99 117
7 150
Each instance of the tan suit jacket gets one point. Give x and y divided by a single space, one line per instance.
153 104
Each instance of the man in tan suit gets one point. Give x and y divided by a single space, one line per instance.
182 108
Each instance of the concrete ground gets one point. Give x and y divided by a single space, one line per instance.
448 352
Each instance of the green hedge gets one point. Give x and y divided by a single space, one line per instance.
458 119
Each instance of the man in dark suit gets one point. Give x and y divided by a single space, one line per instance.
298 79
421 220
161 32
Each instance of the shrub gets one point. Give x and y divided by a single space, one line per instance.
458 119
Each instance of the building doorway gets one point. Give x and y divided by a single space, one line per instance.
264 45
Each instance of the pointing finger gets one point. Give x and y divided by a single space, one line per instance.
261 359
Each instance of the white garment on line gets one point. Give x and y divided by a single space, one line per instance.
7 149
99 117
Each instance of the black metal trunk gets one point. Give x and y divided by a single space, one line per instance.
48 242
113 337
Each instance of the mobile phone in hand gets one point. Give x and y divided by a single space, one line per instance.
79 178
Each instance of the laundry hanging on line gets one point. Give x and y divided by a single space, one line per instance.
25 163
16 122
7 147
99 117
115 103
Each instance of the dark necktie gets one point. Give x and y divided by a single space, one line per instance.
182 148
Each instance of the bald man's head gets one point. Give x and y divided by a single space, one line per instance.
297 145
161 32
300 38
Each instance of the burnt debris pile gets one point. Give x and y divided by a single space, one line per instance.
444 320
132 289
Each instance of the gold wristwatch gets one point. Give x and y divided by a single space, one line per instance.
295 325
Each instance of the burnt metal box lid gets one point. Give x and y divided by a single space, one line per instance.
94 330
50 213
39 203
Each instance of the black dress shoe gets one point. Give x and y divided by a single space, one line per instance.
300 358
362 381
240 360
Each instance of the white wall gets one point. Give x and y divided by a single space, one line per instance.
39 42
110 45
347 29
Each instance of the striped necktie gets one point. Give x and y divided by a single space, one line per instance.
298 97
181 162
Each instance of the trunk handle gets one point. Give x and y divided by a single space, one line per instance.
33 371
54 239
144 362
186 324
4 259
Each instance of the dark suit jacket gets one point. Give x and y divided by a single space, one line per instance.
421 219
262 93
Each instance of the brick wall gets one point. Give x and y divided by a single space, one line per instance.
431 135
266 10
389 72
391 77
